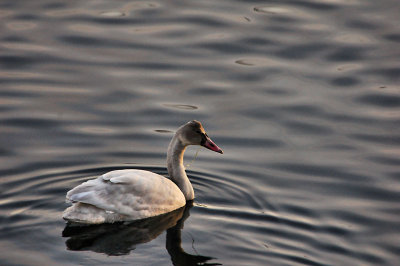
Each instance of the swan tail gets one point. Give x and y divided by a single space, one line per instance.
88 214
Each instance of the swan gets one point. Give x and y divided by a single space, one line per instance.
131 194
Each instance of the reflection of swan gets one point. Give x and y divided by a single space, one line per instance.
125 195
178 256
120 238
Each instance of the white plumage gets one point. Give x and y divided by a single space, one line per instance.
123 195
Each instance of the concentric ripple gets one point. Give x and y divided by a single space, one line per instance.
302 96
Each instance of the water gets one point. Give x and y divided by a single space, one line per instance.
302 96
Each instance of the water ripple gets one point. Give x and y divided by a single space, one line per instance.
380 100
302 96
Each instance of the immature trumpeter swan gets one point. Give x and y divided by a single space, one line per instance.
126 195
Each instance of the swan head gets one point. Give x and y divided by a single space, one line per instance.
193 133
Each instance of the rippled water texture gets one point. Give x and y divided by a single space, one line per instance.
302 96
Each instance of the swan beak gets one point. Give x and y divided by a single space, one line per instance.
209 144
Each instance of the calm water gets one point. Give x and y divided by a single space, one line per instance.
302 96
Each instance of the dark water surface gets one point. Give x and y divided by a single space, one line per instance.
302 96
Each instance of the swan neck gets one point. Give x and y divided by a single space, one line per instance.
176 169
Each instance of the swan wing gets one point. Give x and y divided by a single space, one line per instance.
132 193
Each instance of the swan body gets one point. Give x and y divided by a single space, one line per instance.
123 195
126 195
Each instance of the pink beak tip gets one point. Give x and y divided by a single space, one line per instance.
209 144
